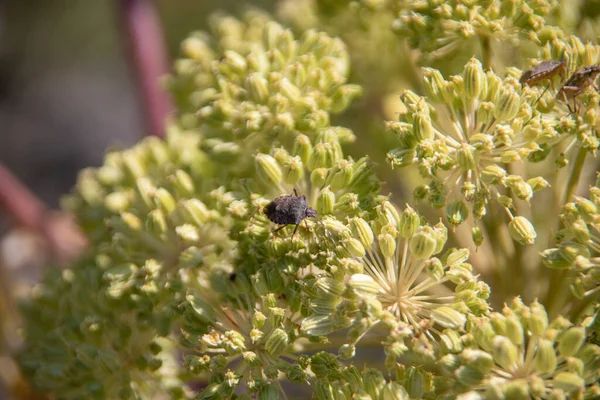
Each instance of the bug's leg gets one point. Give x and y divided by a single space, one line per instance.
306 225
295 192
540 96
280 228
295 229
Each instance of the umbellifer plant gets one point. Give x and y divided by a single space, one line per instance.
472 273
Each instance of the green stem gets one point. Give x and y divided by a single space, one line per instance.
575 175
558 292
486 49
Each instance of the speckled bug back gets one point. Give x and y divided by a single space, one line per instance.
289 209
544 70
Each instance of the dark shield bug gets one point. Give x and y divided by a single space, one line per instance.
578 83
289 210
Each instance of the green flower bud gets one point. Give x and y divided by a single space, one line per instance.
325 201
451 341
268 170
448 317
343 96
456 213
477 235
401 157
468 376
373 383
570 341
537 183
233 342
505 352
341 175
514 330
387 245
510 156
478 359
422 128
354 247
323 156
131 221
195 211
363 285
520 188
440 233
164 200
493 175
517 389
157 222
293 170
324 364
277 342
394 391
507 105
553 258
329 287
545 356
434 268
318 177
485 112
467 157
423 243
258 320
188 233
409 222
586 208
347 351
505 201
450 362
362 231
269 392
474 78
415 384
522 231
435 85
317 325
568 382
257 87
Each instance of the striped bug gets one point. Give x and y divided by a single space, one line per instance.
578 83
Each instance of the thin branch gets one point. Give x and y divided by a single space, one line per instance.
146 51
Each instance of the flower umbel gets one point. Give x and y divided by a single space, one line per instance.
475 124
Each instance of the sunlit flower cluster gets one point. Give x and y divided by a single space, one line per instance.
256 85
462 137
520 354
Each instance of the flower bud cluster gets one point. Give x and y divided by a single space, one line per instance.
573 129
439 30
578 248
153 224
350 383
83 343
519 353
393 272
461 137
259 85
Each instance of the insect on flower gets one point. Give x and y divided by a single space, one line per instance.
578 83
546 70
289 210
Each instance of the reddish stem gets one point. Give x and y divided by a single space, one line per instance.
26 209
146 50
